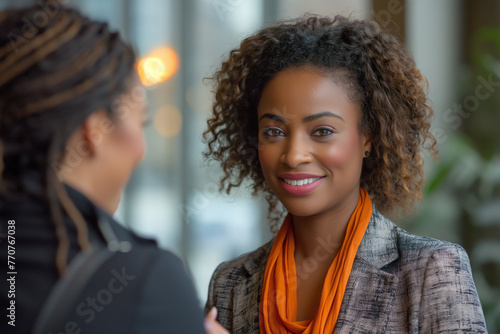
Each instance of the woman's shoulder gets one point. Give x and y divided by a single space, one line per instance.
416 246
408 244
140 248
435 261
428 260
397 251
435 279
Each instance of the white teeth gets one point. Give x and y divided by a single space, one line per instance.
301 182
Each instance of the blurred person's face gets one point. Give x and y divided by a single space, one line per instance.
310 146
108 149
126 146
129 134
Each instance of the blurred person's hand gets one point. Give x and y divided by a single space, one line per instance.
211 325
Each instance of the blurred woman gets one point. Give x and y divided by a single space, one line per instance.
72 113
329 117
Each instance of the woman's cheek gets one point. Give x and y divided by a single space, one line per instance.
141 150
266 158
140 146
334 156
134 142
342 154
269 161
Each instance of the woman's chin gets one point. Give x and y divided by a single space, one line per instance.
301 212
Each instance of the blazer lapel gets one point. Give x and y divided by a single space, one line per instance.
247 295
369 294
371 287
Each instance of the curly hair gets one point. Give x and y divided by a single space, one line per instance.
381 77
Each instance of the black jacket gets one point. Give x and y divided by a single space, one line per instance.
154 295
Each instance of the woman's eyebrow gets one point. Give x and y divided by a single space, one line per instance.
309 118
321 114
273 117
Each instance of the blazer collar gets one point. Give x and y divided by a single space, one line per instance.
379 244
369 287
378 247
97 219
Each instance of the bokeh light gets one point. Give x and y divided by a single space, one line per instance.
158 66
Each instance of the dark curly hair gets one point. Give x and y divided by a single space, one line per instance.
381 77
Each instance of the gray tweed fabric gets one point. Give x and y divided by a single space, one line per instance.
399 283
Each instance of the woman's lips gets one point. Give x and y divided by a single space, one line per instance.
300 184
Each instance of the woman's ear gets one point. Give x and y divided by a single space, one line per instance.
367 144
93 131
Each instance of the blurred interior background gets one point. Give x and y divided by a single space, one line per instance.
173 196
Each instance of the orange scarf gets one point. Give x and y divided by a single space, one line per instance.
279 292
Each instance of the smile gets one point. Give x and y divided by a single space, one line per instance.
298 185
301 182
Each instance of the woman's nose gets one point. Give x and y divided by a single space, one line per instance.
296 152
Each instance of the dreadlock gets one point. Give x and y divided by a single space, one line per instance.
53 74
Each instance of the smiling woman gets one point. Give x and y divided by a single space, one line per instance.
339 114
316 142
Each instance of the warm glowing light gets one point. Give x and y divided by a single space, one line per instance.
168 121
158 66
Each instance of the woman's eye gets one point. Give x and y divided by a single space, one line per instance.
322 132
273 132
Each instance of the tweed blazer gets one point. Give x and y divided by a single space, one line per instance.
399 283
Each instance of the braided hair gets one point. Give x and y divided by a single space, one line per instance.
376 72
54 73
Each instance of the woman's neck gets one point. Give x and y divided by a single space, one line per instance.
323 233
